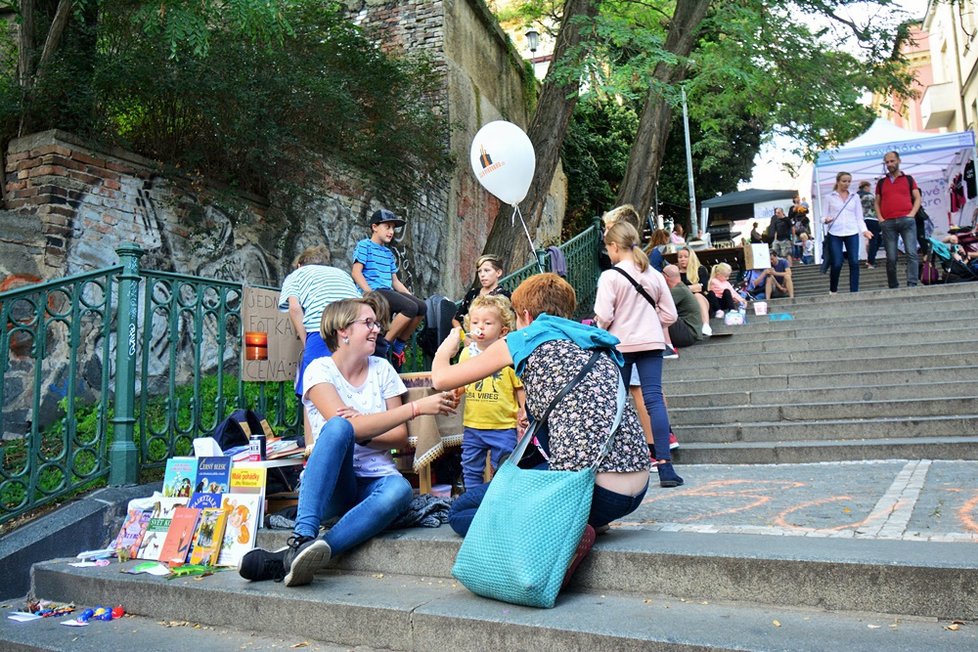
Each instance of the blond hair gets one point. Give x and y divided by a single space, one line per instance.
718 269
317 255
692 266
625 237
623 213
497 302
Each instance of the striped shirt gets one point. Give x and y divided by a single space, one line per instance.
378 263
315 287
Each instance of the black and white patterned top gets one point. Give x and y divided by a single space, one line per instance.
580 422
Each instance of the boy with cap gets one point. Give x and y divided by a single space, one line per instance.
374 268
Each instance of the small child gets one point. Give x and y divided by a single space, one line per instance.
493 405
722 295
374 268
807 250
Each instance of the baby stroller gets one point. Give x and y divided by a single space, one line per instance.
941 257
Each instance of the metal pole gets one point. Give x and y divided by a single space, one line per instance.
123 455
689 170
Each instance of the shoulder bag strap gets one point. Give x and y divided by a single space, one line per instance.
638 286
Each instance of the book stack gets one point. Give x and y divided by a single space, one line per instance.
208 514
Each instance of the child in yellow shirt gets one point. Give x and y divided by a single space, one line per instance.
494 404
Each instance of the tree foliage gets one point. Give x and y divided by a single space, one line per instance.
252 93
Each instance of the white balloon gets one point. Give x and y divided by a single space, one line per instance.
503 160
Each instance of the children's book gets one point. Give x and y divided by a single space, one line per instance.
176 546
250 480
209 536
159 523
213 474
178 480
244 511
132 531
204 500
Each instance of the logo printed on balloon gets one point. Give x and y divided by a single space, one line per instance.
508 171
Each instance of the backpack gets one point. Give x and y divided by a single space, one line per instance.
439 312
237 428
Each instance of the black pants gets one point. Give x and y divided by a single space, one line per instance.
403 303
726 302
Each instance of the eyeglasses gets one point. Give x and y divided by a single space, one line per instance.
368 322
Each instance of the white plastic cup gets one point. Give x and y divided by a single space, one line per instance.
760 307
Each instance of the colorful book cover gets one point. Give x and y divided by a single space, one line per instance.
204 500
159 523
209 536
243 511
178 480
250 480
213 474
176 546
132 531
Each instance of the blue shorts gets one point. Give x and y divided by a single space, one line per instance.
315 348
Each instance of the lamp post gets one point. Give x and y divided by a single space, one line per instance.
533 42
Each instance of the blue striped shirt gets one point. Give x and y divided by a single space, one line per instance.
315 287
378 263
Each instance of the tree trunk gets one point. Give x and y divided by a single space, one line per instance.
546 132
25 42
648 149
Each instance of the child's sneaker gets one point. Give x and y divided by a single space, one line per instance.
718 314
397 358
673 441
670 353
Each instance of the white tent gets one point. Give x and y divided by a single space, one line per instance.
932 159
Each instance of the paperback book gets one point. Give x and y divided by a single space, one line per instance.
179 477
209 536
244 511
132 531
204 500
176 546
159 524
250 480
213 474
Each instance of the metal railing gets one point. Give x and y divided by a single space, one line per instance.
109 373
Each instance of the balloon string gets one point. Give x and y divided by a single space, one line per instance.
533 249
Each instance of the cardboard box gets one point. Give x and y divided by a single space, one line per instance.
757 256
260 314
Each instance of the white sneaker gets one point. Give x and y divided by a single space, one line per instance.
718 314
707 330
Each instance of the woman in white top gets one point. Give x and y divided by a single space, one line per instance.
354 403
844 215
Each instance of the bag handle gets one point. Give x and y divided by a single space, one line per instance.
530 433
638 286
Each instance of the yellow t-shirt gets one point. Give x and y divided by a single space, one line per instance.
490 403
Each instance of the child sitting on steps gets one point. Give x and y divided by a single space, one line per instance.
722 295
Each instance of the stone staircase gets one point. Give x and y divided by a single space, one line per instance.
876 375
879 375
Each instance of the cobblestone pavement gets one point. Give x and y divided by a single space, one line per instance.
922 500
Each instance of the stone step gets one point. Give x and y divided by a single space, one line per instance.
763 366
956 425
861 409
146 633
409 613
825 395
809 451
804 352
380 599
815 379
824 339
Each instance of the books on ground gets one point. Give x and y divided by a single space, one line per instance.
243 514
159 524
176 546
209 536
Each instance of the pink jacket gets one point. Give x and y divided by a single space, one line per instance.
628 315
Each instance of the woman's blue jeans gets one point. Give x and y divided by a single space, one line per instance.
330 488
851 243
649 365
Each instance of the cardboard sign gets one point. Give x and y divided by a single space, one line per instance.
260 314
757 256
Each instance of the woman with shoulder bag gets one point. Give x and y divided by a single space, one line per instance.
845 224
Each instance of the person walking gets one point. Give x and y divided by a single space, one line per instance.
845 222
897 201
872 220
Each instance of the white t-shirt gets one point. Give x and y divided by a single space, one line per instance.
369 398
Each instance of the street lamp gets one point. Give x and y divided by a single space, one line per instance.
532 40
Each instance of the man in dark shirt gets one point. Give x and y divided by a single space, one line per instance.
781 224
